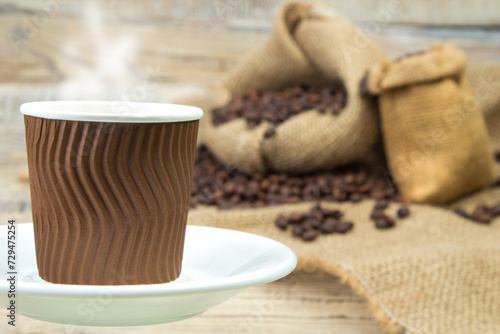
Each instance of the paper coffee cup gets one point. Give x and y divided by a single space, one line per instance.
110 187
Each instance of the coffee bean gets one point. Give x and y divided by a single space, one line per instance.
363 188
309 235
350 178
483 218
361 178
376 214
497 155
316 208
495 210
328 226
335 214
274 178
282 178
281 222
318 215
461 212
339 195
295 217
269 132
381 204
403 212
293 199
377 194
252 189
273 188
355 197
327 212
311 223
230 187
264 184
344 227
481 214
384 222
297 230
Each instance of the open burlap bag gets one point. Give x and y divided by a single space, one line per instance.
435 272
435 138
309 45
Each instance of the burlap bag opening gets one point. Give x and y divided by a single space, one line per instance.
309 45
435 138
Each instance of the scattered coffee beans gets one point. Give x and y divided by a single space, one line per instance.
482 213
216 184
403 212
278 106
384 221
308 226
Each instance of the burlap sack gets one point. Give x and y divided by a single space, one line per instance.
309 45
435 138
435 272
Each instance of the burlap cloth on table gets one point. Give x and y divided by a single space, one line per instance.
435 272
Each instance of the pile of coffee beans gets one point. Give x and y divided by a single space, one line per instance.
383 220
482 213
215 184
319 220
276 107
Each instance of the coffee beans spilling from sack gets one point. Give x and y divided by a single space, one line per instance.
319 220
215 184
278 106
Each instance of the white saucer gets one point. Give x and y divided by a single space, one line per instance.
217 264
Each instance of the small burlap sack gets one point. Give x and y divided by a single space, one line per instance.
435 138
309 45
435 272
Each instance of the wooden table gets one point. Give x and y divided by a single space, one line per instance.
87 56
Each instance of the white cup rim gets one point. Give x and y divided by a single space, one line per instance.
112 111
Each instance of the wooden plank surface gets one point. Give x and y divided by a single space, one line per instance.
242 13
303 302
89 55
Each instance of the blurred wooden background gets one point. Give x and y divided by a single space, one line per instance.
76 49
